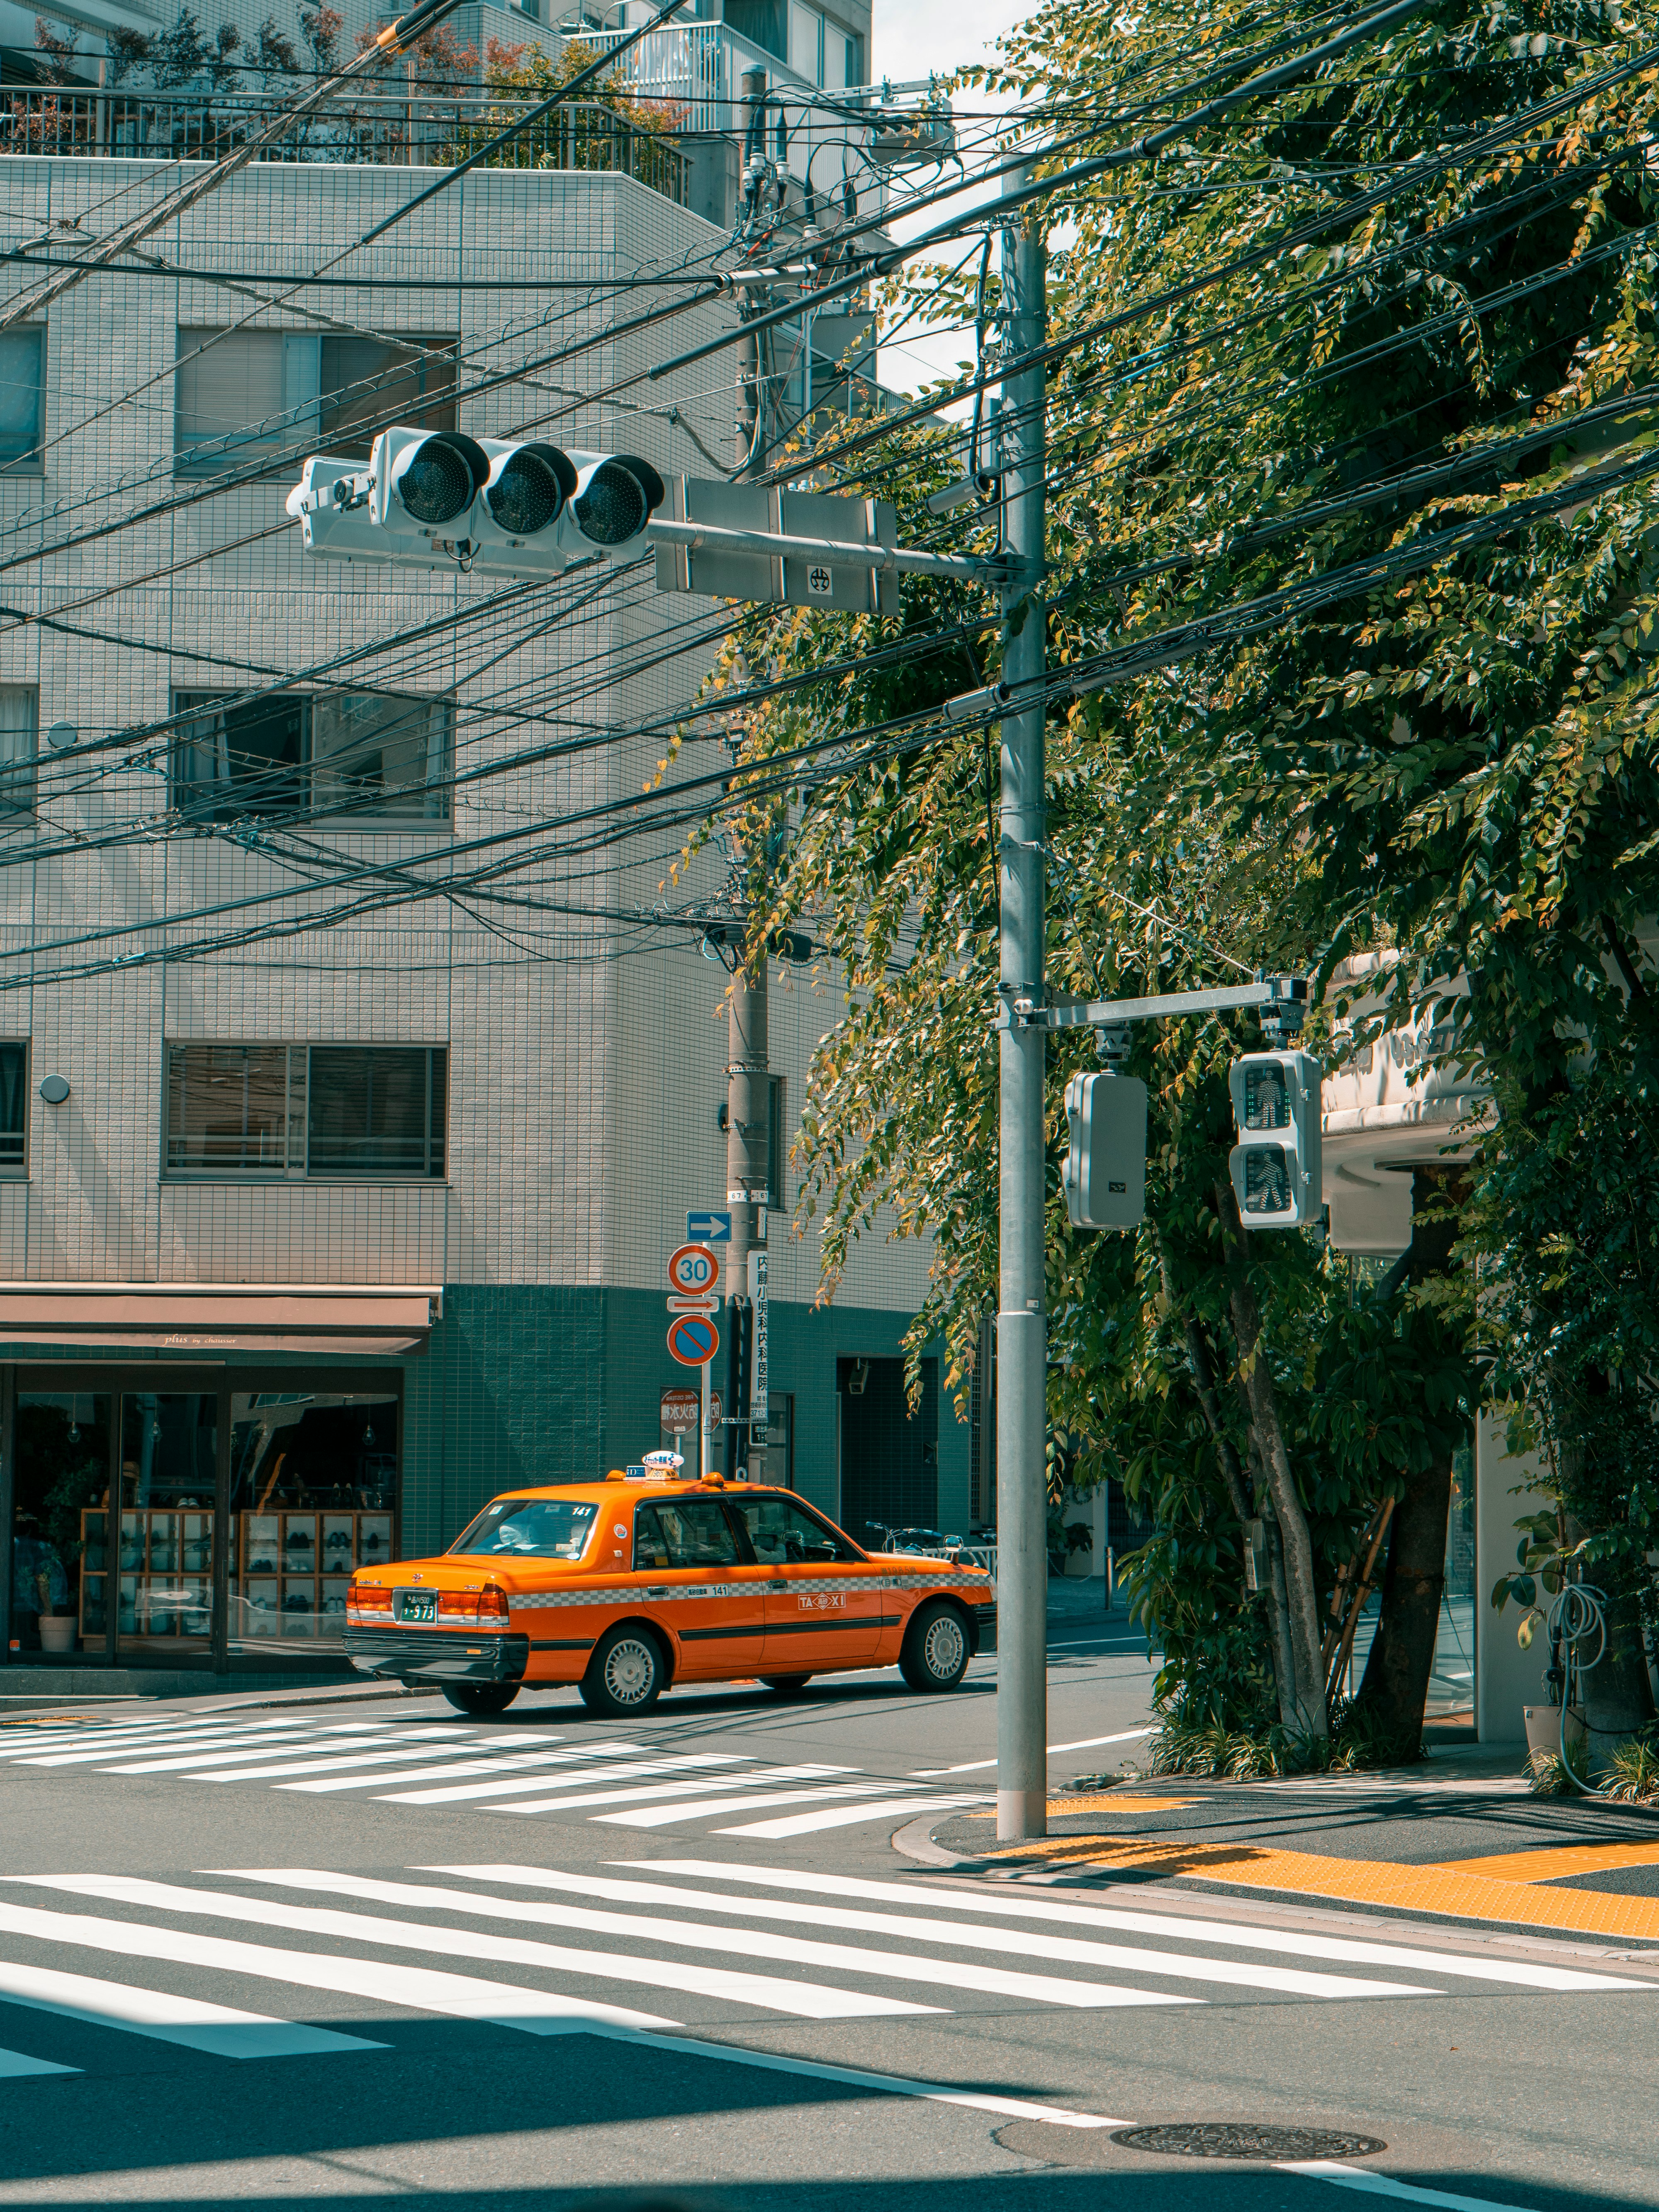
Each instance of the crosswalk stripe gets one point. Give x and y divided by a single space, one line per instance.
700 1935
83 1756
1023 1942
509 1761
17 1743
198 2026
1239 1935
242 1763
806 1824
805 2000
334 1763
418 1988
659 1816
661 1792
14 2065
576 1780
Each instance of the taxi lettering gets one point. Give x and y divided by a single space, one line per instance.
707 1582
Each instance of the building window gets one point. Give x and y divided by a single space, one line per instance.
18 720
777 1141
328 1112
273 395
13 1108
343 754
23 405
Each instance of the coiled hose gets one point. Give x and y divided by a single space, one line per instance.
1579 1611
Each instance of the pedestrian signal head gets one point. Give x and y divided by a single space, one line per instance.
1275 1165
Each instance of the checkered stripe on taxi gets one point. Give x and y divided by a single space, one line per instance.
682 1593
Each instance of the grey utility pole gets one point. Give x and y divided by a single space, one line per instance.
748 1086
1022 1326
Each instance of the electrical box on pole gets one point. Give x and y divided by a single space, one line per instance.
1104 1176
1275 1163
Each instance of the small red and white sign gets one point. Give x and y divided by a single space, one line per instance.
694 1272
682 1410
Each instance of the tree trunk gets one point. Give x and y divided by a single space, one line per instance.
1301 1589
1394 1689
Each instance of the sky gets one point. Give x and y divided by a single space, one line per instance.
909 39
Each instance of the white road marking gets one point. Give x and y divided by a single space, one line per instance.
1385 2184
578 1778
662 1816
807 1823
660 1792
14 2064
804 1999
82 1756
966 1936
528 1754
979 1766
244 1765
418 1988
699 1936
221 2029
1240 1935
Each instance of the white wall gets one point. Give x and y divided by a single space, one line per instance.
1505 1678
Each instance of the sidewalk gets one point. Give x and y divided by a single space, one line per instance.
1457 1837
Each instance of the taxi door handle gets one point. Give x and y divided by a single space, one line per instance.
779 1581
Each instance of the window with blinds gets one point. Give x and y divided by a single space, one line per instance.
334 1112
14 1108
340 757
22 401
258 397
19 707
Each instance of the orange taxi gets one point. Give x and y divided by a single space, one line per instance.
623 1587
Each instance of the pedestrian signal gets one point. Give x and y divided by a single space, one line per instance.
1105 1173
1275 1163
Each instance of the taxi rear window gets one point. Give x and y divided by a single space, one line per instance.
530 1529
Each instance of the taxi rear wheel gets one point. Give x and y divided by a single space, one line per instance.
934 1655
625 1674
481 1697
786 1685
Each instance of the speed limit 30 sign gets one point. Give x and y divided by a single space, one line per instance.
693 1271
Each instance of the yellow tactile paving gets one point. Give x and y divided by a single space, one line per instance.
1546 1863
1444 1889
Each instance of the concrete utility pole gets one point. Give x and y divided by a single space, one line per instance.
748 1087
1022 1327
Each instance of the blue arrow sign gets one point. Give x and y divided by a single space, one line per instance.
708 1228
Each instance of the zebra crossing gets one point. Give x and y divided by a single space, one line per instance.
615 1781
221 1964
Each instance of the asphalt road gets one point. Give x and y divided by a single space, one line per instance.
291 1955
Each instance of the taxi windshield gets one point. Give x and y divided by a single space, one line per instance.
530 1529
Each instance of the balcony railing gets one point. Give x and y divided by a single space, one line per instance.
426 130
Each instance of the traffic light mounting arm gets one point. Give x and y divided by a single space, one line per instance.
1284 997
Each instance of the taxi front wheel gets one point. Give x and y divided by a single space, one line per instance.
934 1655
625 1674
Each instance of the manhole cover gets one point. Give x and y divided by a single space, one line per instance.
1240 2139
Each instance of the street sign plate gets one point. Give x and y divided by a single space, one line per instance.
708 1228
693 1271
693 1340
681 1408
708 1303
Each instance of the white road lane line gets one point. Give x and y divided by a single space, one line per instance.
14 2064
808 1823
803 2000
221 2029
967 1935
418 1988
577 1778
657 1793
1237 1935
663 1816
791 1949
1385 2184
979 1766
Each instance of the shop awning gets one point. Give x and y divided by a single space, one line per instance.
217 1319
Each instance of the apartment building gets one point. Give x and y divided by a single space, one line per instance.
356 1072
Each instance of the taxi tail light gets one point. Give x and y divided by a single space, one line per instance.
492 1604
367 1605
457 1605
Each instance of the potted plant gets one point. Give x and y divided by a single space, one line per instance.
1080 1549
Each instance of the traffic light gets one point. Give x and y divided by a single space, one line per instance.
1105 1173
1275 1163
437 499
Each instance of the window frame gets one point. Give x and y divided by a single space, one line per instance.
18 1171
29 782
33 464
296 1171
300 418
357 818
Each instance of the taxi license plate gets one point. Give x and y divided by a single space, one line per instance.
418 1605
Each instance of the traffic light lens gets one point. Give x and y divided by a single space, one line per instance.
1267 1179
612 509
526 497
436 483
1266 1101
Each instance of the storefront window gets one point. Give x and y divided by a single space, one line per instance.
169 1471
313 1479
60 1517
